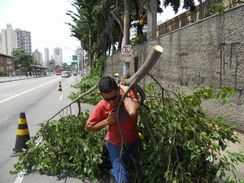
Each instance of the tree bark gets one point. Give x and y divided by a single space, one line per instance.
152 19
126 24
142 72
146 67
117 20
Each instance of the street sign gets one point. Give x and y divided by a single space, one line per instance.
74 58
127 51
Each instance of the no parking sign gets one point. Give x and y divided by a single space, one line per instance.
126 51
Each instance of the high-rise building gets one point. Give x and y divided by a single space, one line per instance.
24 40
14 39
57 56
8 40
38 57
46 56
1 43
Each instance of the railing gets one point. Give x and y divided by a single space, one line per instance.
189 17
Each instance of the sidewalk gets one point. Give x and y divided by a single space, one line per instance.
238 147
16 78
13 78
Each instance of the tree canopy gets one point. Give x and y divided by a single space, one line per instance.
22 60
99 24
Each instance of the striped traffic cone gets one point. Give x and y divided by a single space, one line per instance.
22 134
59 86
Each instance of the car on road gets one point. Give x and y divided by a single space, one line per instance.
58 71
66 74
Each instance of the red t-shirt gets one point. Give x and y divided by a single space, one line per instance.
128 124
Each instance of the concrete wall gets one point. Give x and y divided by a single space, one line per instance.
208 52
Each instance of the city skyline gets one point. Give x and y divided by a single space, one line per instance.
46 20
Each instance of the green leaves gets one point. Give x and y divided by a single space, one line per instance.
22 59
216 8
225 93
62 146
187 142
179 143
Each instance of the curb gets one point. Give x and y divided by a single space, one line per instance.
17 79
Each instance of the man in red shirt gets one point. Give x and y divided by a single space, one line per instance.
104 114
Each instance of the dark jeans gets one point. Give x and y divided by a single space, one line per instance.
120 171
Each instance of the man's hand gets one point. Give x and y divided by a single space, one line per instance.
123 88
102 124
111 117
89 127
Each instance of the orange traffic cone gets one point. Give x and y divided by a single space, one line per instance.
22 134
59 86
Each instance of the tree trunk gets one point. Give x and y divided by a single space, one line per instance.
146 66
90 49
152 19
90 41
126 24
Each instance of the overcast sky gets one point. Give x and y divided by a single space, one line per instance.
46 19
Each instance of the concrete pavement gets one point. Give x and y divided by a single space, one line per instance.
15 78
238 147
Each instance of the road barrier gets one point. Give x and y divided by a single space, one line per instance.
22 134
59 86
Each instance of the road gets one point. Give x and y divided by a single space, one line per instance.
40 99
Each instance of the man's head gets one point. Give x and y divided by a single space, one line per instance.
107 84
108 89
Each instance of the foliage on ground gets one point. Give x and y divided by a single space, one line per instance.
179 142
63 146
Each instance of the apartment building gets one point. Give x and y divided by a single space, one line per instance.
11 39
8 40
38 57
24 40
46 56
57 56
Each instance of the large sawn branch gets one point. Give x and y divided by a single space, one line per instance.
132 81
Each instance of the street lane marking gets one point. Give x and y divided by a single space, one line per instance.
27 91
61 97
20 177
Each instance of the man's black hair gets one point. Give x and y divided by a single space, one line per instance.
107 84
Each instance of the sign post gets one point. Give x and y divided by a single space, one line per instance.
74 58
126 56
127 51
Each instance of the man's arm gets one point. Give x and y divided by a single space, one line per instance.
131 105
102 124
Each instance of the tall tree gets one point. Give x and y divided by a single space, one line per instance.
22 60
100 24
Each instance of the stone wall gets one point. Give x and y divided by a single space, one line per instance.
208 52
